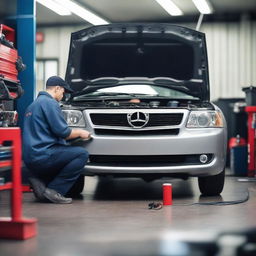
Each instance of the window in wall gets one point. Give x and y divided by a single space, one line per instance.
44 69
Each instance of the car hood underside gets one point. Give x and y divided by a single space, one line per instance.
139 50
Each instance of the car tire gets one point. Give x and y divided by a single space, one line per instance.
212 185
77 188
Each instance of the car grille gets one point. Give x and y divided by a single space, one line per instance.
132 160
121 119
135 132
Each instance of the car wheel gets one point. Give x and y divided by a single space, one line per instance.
212 185
77 188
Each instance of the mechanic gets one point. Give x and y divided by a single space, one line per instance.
54 165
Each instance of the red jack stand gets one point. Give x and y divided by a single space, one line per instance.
15 227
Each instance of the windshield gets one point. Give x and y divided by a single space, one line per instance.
135 90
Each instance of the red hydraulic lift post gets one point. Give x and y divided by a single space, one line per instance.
251 111
15 227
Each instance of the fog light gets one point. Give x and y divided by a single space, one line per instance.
203 159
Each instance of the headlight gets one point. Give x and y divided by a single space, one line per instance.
74 117
203 119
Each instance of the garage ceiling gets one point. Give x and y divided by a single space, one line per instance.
146 10
136 11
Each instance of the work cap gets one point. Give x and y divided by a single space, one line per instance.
56 80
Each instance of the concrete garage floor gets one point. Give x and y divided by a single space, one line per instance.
113 219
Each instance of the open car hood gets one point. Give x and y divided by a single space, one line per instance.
162 53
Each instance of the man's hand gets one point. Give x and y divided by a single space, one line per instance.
79 133
85 134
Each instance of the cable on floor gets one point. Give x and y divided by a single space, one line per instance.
158 206
226 202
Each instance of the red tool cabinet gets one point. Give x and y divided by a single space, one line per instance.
251 111
16 226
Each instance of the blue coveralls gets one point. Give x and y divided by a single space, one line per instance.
45 151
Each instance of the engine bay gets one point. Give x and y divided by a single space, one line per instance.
138 103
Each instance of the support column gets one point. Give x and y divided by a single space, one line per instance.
26 29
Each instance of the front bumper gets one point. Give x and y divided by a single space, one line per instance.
189 141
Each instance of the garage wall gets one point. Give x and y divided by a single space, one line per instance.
231 54
56 45
232 57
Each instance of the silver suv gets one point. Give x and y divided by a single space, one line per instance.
142 90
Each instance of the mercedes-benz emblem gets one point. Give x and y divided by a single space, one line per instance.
137 119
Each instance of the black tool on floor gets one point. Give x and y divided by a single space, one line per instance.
155 206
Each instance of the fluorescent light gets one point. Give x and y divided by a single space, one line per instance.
59 9
203 6
82 12
170 7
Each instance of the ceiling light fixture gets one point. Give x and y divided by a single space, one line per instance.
82 12
170 7
55 7
203 6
